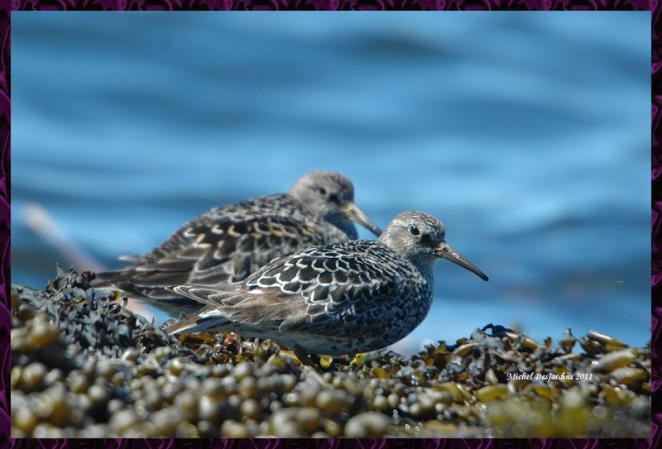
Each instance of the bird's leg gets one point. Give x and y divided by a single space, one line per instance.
230 338
303 356
299 352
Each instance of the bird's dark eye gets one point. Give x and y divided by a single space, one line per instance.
334 198
322 190
413 230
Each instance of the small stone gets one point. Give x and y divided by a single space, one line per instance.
616 359
233 429
367 424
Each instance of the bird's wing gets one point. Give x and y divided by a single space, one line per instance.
227 250
307 291
224 245
230 223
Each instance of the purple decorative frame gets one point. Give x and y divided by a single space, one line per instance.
6 6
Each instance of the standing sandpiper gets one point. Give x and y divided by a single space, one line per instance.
228 243
342 298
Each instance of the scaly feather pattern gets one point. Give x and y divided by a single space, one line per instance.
230 242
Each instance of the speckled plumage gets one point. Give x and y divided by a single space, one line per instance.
340 298
228 243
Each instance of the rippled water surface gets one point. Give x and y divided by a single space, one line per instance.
527 134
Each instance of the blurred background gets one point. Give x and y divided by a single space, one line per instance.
526 133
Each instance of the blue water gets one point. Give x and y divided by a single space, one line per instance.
526 133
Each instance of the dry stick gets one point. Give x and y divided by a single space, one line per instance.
36 218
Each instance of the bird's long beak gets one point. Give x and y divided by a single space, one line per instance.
446 252
356 215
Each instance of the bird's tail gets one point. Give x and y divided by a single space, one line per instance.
206 295
111 278
129 280
208 320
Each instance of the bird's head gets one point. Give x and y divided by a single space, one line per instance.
419 236
330 196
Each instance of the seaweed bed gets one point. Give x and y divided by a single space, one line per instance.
85 366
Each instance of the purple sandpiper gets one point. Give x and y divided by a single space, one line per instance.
342 298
